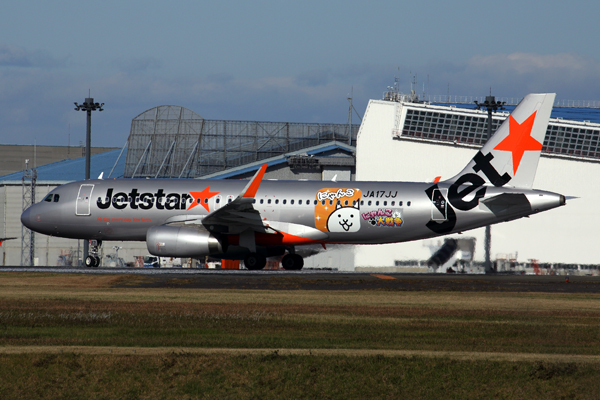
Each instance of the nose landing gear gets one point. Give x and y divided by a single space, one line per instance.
93 259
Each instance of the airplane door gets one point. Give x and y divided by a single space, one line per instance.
438 206
82 206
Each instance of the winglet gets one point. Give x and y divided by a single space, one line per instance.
252 187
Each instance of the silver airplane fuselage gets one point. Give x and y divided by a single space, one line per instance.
377 212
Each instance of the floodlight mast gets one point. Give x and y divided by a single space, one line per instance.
88 106
491 105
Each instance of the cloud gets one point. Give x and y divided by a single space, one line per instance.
571 76
313 78
11 56
38 103
138 65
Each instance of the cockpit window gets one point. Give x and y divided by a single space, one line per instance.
48 198
56 198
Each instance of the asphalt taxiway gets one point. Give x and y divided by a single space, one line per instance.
332 280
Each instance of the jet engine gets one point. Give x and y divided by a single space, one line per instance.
181 241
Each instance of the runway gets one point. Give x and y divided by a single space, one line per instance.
330 280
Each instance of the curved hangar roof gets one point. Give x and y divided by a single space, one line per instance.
173 141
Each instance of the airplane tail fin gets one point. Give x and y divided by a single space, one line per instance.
510 157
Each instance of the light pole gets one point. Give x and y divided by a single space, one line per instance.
491 105
88 106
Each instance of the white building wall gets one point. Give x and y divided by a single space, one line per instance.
564 235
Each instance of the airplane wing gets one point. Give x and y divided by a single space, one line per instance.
240 215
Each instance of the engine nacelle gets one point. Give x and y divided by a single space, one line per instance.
181 241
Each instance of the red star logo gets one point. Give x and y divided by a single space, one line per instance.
519 140
201 198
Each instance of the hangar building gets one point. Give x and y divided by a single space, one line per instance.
175 142
406 141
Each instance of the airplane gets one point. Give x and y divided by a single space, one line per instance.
256 219
2 240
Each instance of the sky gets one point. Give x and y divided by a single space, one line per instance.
261 60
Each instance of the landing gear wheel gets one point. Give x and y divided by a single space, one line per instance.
255 261
93 260
90 261
292 262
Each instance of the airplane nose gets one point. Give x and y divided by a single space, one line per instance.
26 218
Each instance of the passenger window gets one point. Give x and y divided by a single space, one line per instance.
262 201
385 203
393 202
408 203
276 201
346 202
399 203
205 201
299 202
369 202
362 202
269 201
229 200
56 198
292 201
322 202
316 202
218 200
377 203
284 201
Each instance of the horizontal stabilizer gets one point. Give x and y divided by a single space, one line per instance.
508 205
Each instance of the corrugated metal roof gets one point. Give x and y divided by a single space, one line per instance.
314 150
74 169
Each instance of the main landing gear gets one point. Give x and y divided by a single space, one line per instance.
93 259
290 262
255 261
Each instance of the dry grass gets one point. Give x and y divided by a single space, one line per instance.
74 336
276 376
102 288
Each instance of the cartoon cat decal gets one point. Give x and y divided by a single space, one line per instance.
344 219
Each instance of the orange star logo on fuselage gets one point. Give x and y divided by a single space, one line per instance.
201 198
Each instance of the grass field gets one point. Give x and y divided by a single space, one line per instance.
80 336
